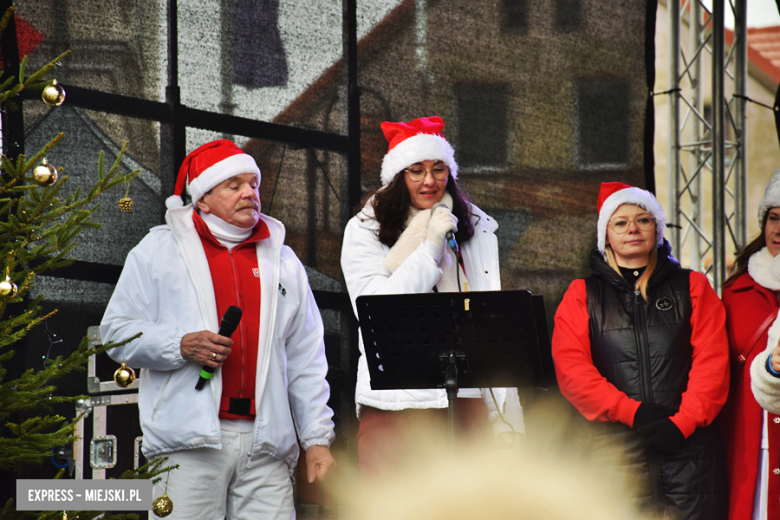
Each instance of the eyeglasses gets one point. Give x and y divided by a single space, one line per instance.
643 222
417 173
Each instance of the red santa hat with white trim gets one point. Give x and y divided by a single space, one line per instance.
415 141
209 165
613 194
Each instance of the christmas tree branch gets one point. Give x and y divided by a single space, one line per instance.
31 83
25 167
39 228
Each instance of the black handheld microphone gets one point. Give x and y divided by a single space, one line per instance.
449 236
227 327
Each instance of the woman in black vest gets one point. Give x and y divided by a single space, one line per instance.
640 349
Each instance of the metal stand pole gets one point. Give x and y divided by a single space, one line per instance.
451 385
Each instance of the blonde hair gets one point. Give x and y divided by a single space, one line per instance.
641 283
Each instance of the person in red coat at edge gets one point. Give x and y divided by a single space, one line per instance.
641 351
750 295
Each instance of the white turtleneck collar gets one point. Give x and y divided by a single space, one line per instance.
227 234
765 269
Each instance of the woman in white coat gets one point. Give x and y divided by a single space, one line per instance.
396 245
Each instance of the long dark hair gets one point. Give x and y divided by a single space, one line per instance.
391 209
755 245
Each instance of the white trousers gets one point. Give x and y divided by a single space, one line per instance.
212 484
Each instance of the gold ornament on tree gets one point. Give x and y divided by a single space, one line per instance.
126 203
53 94
124 376
8 289
163 506
45 174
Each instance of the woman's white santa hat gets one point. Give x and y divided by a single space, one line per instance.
209 165
771 197
613 194
415 141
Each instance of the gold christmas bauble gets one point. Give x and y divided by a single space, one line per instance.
53 94
126 204
124 376
162 506
45 174
8 288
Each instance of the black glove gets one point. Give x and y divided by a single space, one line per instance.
663 435
648 413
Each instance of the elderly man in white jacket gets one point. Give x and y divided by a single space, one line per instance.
235 440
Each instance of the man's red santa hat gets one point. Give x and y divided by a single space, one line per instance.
415 141
613 194
209 165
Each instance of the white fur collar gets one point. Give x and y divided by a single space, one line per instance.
765 269
413 236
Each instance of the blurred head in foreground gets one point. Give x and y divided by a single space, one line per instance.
496 486
549 477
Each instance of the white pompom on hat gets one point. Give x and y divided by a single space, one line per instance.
209 165
415 141
614 194
771 197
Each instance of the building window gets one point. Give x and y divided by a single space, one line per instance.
483 124
514 16
603 124
568 14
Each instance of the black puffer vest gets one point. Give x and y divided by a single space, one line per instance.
644 349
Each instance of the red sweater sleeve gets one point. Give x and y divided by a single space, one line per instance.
579 380
708 380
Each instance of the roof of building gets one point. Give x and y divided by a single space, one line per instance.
763 50
333 74
766 42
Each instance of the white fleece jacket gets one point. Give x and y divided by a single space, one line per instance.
363 261
165 291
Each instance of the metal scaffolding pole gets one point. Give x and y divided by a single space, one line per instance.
712 134
674 122
698 132
739 109
698 156
718 146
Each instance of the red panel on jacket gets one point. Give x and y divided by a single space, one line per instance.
236 281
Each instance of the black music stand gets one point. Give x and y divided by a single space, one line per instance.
452 340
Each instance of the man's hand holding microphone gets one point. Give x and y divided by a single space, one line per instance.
211 349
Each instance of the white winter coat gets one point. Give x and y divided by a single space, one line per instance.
165 291
362 261
765 386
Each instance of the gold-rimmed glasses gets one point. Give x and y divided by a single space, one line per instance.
417 172
643 222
